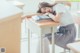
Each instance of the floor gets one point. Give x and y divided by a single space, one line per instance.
34 42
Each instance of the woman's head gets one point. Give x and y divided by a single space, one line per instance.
45 7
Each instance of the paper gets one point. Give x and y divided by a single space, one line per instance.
42 17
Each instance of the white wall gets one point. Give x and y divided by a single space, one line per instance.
31 6
75 6
79 5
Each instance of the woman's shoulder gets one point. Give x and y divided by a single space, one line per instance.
60 8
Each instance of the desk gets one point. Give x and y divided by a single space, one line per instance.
77 21
79 24
75 47
37 27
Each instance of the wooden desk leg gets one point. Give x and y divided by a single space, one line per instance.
28 41
53 29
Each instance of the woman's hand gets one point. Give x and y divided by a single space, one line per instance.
57 17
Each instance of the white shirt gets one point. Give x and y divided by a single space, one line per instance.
66 17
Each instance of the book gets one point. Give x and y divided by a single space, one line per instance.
39 18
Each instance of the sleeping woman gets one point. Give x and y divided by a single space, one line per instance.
67 31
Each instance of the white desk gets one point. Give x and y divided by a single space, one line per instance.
77 21
75 47
37 28
78 24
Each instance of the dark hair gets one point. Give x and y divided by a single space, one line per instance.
45 4
39 11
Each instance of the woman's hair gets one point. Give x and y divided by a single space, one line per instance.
45 4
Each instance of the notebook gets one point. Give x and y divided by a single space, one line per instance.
39 18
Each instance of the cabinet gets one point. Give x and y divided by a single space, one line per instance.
10 27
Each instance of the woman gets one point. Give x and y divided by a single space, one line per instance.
67 31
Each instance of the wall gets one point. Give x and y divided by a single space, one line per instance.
75 6
31 6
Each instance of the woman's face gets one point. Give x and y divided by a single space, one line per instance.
46 9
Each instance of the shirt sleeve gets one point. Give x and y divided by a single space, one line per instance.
59 8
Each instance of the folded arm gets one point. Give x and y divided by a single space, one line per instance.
29 16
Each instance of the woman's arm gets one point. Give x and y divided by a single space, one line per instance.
29 16
57 17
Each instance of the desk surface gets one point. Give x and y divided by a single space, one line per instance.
74 47
45 23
